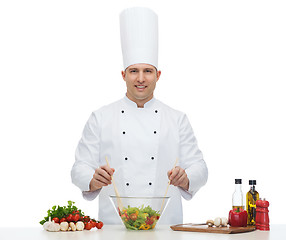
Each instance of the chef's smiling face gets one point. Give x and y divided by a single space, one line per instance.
141 81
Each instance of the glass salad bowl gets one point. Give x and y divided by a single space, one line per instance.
140 213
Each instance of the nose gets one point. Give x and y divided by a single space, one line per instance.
140 78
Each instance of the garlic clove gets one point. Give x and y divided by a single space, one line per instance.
64 226
72 226
79 226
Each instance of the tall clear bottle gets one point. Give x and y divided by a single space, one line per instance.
237 197
251 197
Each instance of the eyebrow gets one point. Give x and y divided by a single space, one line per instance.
150 69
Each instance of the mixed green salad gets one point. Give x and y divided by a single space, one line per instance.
142 218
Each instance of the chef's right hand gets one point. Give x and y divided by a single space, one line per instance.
101 178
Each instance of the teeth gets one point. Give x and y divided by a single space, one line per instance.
140 86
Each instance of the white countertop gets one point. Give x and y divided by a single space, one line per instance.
118 232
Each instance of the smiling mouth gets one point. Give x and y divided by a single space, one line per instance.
140 86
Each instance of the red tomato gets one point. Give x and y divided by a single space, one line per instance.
70 218
57 220
63 220
133 217
99 225
86 218
88 226
93 223
76 217
75 212
149 221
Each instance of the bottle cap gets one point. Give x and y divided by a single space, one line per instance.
238 181
252 182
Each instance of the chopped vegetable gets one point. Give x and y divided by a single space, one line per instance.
143 218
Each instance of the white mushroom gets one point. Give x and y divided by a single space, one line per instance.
210 223
79 226
224 221
51 226
72 226
217 221
64 226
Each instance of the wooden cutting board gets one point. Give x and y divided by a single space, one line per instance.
204 228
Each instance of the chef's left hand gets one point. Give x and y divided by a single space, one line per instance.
178 177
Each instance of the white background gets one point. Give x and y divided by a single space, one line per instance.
223 63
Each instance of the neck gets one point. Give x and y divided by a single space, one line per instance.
140 102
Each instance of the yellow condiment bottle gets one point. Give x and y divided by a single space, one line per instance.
251 197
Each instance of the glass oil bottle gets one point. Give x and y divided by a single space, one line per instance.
237 197
251 197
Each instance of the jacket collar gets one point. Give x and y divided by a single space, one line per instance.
130 103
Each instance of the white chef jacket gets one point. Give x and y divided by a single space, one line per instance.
142 145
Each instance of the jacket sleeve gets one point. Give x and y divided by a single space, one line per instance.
191 159
87 157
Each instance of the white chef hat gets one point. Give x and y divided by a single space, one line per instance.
139 36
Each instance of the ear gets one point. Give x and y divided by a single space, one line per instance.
158 75
123 75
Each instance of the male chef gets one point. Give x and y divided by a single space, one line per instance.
140 136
